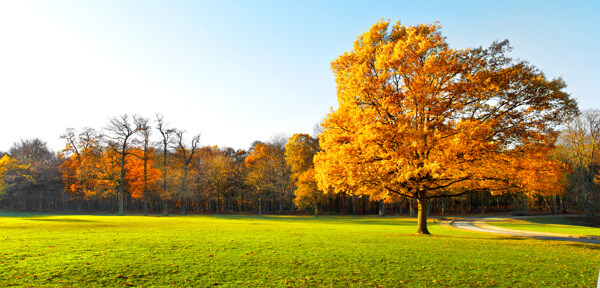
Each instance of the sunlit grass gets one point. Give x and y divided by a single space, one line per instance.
199 251
549 225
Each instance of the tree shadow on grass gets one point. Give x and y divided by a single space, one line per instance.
66 220
567 241
482 236
398 222
585 246
327 219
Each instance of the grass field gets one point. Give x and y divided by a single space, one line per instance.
245 251
556 224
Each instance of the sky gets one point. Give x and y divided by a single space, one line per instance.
240 71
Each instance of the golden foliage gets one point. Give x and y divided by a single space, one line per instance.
6 164
299 153
419 119
259 164
134 176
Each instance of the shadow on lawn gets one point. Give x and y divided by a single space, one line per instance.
66 220
573 220
478 236
510 238
586 246
345 220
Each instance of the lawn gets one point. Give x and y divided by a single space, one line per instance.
246 251
555 224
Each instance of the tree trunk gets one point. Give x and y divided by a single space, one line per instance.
41 201
183 190
259 205
165 207
482 203
111 208
145 183
242 203
164 182
353 204
121 192
381 208
281 202
422 222
443 205
412 208
182 203
456 205
401 207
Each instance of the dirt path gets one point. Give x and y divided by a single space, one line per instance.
481 226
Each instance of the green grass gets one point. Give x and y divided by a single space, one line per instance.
244 251
555 224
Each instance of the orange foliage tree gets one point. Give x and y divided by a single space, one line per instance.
140 174
260 173
421 120
80 163
300 150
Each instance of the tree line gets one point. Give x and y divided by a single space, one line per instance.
155 170
420 128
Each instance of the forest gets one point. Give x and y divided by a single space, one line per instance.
268 178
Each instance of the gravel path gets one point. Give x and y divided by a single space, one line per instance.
481 226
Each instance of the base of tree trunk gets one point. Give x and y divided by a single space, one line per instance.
422 216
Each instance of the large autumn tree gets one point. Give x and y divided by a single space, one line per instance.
421 120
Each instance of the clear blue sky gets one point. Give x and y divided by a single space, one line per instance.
239 71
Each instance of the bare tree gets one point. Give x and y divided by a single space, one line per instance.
120 130
580 147
43 166
167 135
185 157
145 131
